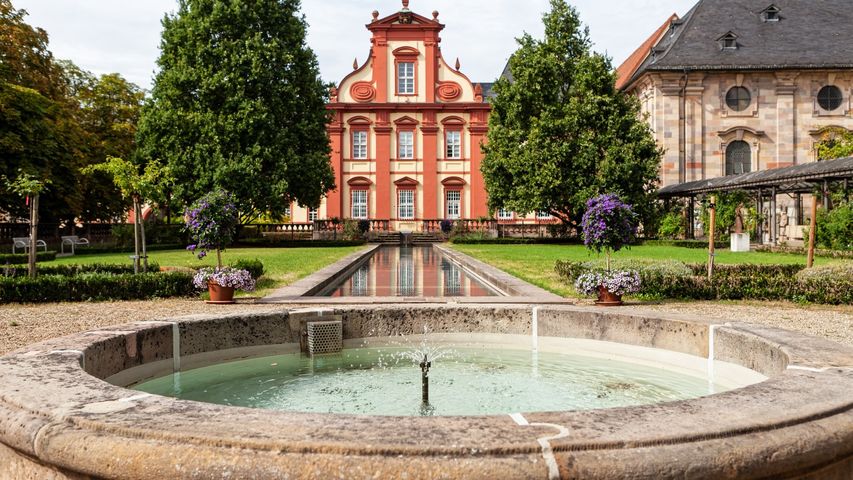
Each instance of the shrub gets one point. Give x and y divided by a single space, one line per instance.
841 271
351 230
646 268
835 228
24 258
747 270
95 287
446 226
735 282
671 226
363 226
685 243
254 266
72 270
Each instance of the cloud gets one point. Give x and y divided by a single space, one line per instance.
123 36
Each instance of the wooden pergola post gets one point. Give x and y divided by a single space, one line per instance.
812 232
711 235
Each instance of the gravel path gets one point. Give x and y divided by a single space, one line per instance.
21 325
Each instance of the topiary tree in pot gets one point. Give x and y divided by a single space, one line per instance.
608 226
212 225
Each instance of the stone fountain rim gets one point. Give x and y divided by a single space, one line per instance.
52 420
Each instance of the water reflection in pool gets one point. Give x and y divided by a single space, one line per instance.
409 272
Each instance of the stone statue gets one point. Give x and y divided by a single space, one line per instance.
783 223
739 219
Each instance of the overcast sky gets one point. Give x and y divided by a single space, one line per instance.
123 36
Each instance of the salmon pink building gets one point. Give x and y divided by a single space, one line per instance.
406 131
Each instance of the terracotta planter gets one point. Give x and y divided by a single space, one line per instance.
607 299
220 295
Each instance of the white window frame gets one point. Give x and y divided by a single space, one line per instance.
455 204
406 204
313 214
453 144
406 150
359 144
505 214
358 202
542 215
405 78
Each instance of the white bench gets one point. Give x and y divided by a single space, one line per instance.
24 242
74 241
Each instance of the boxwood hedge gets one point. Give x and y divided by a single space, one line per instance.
95 287
735 282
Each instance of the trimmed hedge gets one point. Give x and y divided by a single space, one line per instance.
698 244
128 250
254 266
515 241
261 242
735 282
72 270
747 269
18 258
95 287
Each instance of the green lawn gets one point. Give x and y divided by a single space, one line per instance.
535 263
283 265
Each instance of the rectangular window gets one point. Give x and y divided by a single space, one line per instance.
406 204
359 144
406 277
359 204
454 204
454 144
406 78
406 146
313 214
541 215
504 214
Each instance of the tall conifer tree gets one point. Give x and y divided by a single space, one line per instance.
561 133
239 104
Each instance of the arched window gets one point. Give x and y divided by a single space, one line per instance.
738 158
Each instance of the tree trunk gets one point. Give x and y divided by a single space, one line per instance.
144 248
136 218
34 227
219 258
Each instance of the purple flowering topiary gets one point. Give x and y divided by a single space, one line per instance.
212 223
608 224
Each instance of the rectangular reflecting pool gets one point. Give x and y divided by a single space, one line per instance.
409 271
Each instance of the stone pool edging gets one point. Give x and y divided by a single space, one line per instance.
56 421
517 291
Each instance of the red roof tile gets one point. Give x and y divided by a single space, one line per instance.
629 67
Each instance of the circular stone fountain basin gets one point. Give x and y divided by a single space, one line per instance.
464 379
60 417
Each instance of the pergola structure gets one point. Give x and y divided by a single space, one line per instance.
767 185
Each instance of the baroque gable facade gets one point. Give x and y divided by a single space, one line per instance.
406 131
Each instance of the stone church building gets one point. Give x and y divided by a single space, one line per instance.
738 86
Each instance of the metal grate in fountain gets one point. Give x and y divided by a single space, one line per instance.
325 337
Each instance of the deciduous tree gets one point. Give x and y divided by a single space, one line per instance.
561 133
238 104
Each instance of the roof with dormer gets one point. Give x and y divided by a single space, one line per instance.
809 34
